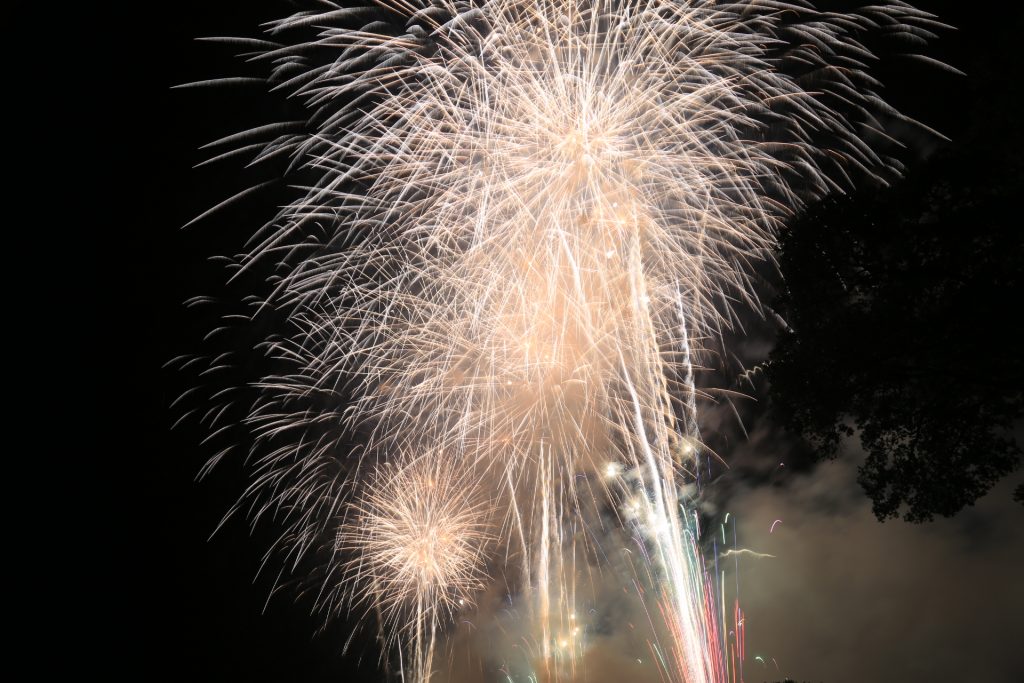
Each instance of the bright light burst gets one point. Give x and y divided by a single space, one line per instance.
417 534
522 223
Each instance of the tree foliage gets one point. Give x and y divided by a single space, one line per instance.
904 311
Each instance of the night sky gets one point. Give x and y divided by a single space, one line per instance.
845 599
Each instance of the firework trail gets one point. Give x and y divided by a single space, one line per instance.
521 225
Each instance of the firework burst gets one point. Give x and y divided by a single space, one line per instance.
417 535
522 223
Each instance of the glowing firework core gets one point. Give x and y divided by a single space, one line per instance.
419 535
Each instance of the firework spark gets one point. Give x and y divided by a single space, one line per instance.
523 224
417 534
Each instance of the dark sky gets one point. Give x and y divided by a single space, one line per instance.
844 599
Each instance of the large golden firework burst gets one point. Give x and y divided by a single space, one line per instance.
520 223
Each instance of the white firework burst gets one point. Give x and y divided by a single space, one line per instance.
520 223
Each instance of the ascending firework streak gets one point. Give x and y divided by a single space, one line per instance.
522 222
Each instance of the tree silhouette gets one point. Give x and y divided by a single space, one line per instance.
904 314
